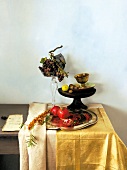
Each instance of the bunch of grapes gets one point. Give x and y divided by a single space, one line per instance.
52 67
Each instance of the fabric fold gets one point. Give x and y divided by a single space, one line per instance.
96 147
33 157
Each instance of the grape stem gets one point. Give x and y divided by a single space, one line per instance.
55 49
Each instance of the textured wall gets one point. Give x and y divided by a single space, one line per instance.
94 36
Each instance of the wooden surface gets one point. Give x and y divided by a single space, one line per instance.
9 140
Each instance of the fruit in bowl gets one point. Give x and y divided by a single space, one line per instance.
82 77
76 87
65 87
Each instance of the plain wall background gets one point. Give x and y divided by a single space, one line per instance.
94 38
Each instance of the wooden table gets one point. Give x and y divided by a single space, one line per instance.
9 140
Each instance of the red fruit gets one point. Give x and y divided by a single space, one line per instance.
63 113
67 122
56 121
54 110
87 117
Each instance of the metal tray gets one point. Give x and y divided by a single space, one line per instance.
84 124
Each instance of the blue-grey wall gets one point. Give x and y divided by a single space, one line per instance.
94 36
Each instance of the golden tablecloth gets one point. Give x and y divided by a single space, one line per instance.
97 147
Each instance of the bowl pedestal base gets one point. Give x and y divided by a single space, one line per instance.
76 105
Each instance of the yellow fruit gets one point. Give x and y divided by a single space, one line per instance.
65 87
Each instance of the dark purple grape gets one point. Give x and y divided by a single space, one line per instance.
50 68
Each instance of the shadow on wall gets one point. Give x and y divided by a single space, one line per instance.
71 65
118 119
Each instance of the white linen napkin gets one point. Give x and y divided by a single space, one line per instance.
33 157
